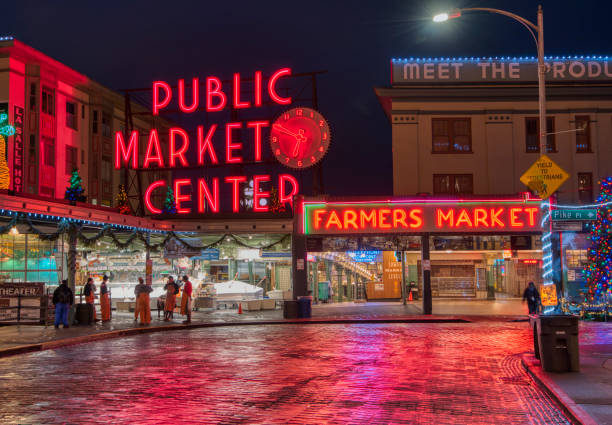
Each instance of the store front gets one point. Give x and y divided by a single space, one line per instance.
428 247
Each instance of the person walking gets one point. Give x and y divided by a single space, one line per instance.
105 307
532 296
143 302
89 290
63 298
186 299
171 289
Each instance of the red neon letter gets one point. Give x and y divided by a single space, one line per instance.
495 217
464 217
235 182
514 221
317 218
367 218
480 217
416 215
147 196
257 88
180 154
350 219
153 144
205 144
238 104
333 220
382 216
122 154
195 95
214 92
257 195
399 217
229 146
211 199
282 181
157 104
441 217
272 86
531 211
257 125
180 198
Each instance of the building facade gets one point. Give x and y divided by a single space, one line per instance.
68 122
470 125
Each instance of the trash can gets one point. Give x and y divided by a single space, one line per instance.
558 343
304 307
290 309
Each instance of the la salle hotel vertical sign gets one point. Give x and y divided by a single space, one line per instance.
298 139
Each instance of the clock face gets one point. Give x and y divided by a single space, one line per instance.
299 138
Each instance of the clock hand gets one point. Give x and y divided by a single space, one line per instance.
300 139
286 131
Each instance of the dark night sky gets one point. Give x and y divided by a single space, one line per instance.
130 43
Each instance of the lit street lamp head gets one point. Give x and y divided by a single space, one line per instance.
442 17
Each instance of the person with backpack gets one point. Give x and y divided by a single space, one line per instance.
532 296
63 298
89 290
172 289
143 301
105 307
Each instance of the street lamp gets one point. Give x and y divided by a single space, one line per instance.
537 32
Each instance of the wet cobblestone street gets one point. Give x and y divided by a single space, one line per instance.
338 374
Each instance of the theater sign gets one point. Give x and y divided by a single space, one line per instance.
421 216
298 138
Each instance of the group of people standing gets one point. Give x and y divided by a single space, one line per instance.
63 299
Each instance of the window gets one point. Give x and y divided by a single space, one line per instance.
71 159
583 137
451 135
48 101
107 175
83 111
106 124
532 135
33 97
585 187
71 117
453 184
83 157
94 127
49 152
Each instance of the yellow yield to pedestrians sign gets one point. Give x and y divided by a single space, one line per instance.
544 177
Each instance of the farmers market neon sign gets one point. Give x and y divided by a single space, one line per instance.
405 216
209 96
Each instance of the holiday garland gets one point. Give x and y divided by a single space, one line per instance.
64 226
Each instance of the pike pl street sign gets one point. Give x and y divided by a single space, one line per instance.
544 177
564 214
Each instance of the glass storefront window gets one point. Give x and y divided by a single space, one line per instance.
25 257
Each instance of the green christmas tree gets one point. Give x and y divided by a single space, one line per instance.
598 273
275 204
169 202
75 192
122 201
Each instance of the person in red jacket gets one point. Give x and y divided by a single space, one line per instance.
186 299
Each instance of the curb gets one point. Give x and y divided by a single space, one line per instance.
50 345
576 413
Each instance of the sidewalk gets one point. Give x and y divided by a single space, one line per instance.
586 395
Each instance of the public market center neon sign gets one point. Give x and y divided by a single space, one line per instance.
209 96
419 216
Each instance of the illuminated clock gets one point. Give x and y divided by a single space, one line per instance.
299 138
